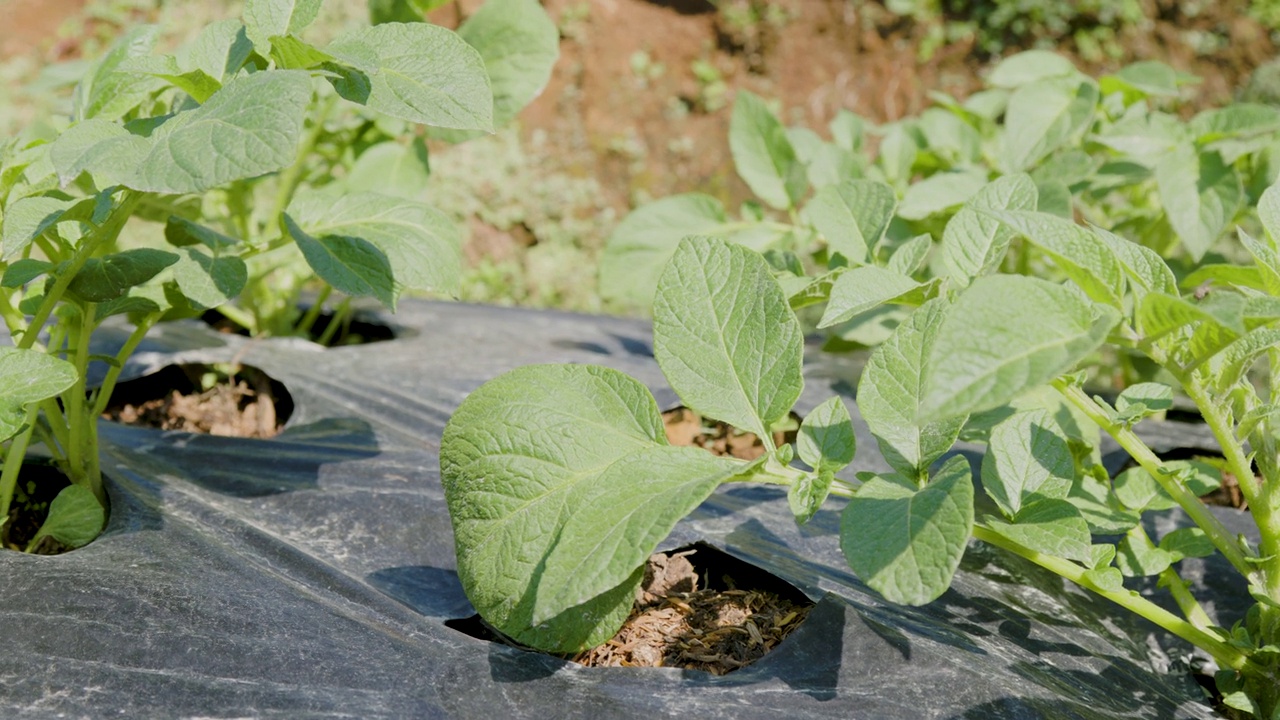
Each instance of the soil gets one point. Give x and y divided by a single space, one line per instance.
38 484
676 624
685 427
245 403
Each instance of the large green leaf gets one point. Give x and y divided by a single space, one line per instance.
511 458
974 243
208 281
643 243
109 277
1085 258
940 192
1006 334
28 218
264 19
892 388
104 148
1043 116
861 289
763 155
1145 268
109 92
906 543
392 168
421 244
248 128
725 337
1027 459
75 518
826 440
1053 527
350 264
1194 333
1032 66
418 72
519 44
1200 195
28 376
220 50
853 216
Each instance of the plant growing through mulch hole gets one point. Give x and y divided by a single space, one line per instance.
245 146
560 481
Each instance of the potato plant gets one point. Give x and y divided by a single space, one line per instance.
560 481
234 161
1109 151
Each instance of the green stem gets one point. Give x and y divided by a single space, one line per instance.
79 443
57 423
1224 654
102 395
13 463
308 321
1217 533
1187 602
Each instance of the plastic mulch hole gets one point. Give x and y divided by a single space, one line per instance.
38 485
231 401
698 608
685 427
354 329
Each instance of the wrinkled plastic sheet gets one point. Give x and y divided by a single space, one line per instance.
311 575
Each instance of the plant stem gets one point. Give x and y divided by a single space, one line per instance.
102 395
1187 602
1217 533
303 328
292 175
13 463
1225 655
81 445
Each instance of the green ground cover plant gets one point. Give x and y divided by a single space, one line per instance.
560 481
249 163
1111 151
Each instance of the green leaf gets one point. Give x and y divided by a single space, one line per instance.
1137 490
905 543
1266 261
1200 195
1146 270
1100 556
826 440
1269 212
861 289
1054 527
220 50
1043 116
1235 121
1085 258
643 243
1151 78
110 93
28 219
28 376
520 45
104 148
180 232
806 495
352 265
75 518
989 349
1027 460
910 255
725 337
1187 542
1136 556
763 155
264 19
109 277
248 128
418 72
892 388
1100 508
22 271
511 457
209 281
853 216
196 83
1032 66
290 53
974 243
1108 578
1155 397
940 192
1162 315
1236 359
392 168
422 245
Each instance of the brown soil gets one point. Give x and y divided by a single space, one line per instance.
38 484
248 404
685 427
675 624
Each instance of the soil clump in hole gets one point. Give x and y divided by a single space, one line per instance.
231 402
684 618
685 427
38 484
